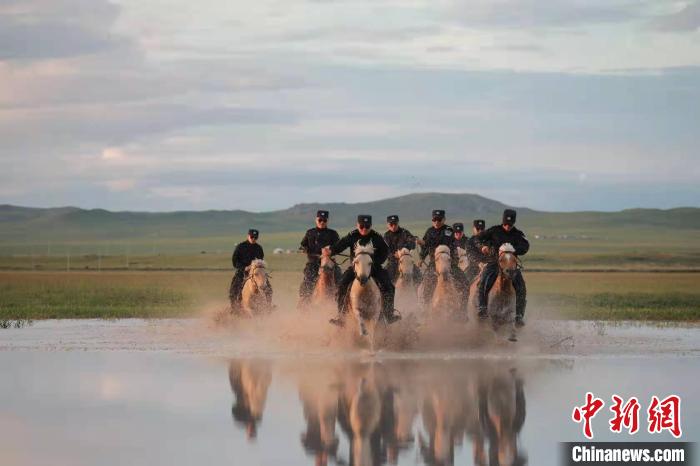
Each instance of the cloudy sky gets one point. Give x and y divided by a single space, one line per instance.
167 105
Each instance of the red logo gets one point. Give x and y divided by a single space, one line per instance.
587 412
665 415
661 415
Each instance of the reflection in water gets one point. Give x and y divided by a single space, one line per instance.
387 408
249 380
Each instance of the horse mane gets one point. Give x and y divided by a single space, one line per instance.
506 247
442 249
367 248
403 251
256 263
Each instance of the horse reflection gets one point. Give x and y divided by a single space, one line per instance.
249 382
376 406
502 412
320 404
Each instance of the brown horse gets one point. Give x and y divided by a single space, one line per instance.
326 287
501 299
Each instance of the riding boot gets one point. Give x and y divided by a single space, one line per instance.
342 294
520 298
488 277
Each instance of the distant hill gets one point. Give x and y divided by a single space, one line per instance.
22 224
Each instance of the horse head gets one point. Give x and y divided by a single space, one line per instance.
258 273
327 264
507 260
463 258
405 262
443 264
362 263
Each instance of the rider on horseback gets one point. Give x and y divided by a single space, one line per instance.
460 239
491 241
312 244
398 238
474 251
434 236
364 235
245 253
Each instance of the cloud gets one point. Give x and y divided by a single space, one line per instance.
687 19
43 29
542 14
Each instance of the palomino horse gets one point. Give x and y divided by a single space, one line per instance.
256 289
326 287
463 259
501 299
406 297
364 297
445 297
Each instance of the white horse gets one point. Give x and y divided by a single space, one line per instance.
445 297
406 297
326 287
463 259
254 295
364 297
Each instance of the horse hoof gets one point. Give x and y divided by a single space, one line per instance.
512 338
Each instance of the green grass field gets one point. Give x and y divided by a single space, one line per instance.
589 295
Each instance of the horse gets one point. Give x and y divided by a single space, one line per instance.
406 297
463 259
445 297
326 287
364 297
501 299
254 296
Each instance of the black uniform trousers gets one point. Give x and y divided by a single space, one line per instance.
381 277
308 283
488 278
392 268
236 289
430 280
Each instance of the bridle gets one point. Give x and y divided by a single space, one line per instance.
361 253
442 253
251 276
401 256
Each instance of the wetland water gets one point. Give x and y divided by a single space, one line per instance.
145 393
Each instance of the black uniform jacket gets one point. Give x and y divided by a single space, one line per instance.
434 237
381 250
316 239
497 236
245 253
474 251
402 238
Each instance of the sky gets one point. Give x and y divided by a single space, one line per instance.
230 104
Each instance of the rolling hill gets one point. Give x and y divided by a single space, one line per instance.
22 225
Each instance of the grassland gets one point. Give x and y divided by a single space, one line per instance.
588 295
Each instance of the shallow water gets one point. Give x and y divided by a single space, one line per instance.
150 392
